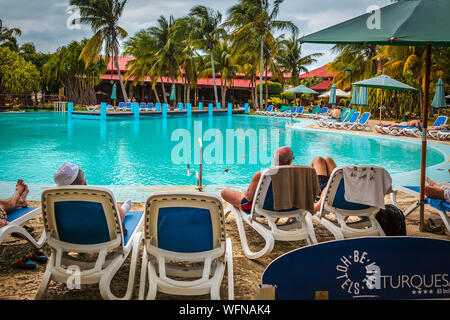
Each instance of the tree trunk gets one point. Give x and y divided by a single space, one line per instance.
156 94
261 66
116 60
163 90
214 76
267 89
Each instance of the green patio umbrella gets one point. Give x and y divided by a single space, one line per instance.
403 23
332 99
439 96
114 94
172 94
355 96
383 82
301 89
363 96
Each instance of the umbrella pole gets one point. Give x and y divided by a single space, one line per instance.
381 103
423 161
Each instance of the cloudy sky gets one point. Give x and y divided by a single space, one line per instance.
44 22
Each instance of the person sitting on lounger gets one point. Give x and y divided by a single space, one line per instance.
324 167
70 174
335 113
283 156
18 200
435 191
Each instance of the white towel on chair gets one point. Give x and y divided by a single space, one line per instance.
366 185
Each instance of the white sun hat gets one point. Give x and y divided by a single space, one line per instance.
66 174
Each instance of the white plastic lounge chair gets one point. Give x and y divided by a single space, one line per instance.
93 108
299 112
127 106
345 116
121 106
84 219
444 135
300 229
185 227
288 113
361 124
416 132
109 107
143 106
16 219
346 124
269 109
334 202
313 113
150 106
441 206
322 113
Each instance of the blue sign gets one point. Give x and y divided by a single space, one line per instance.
364 268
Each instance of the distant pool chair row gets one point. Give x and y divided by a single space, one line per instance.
415 131
142 106
293 112
351 120
179 227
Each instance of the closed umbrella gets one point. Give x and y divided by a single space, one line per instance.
172 95
403 23
363 97
114 94
383 82
355 96
332 99
439 96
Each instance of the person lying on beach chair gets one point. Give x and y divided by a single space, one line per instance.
444 127
283 157
324 167
412 123
436 191
18 200
70 174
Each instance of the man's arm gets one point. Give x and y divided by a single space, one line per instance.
250 193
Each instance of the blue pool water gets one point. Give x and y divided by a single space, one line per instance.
129 152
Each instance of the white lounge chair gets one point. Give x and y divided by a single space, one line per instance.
441 206
185 227
334 202
83 219
416 132
346 124
269 109
16 219
361 124
300 229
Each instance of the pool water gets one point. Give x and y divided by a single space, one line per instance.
148 152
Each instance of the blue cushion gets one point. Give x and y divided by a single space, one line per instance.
130 223
18 213
268 201
438 204
185 229
340 202
81 222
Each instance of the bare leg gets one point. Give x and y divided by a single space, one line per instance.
331 165
434 192
233 197
320 165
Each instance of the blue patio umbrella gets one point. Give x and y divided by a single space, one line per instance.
332 95
355 96
439 96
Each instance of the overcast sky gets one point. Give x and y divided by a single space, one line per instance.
44 22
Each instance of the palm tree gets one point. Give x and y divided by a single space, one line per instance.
103 17
290 58
206 34
7 37
257 17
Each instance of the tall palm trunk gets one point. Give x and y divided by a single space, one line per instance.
116 60
214 77
163 90
267 88
156 95
261 66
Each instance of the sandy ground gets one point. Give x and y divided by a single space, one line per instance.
23 284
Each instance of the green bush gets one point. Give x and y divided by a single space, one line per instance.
288 96
275 101
274 89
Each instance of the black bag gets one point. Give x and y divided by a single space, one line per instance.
392 221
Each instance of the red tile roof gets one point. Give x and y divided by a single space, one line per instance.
323 86
321 72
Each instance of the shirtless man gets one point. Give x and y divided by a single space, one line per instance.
412 123
18 200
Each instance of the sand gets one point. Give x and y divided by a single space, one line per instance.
23 284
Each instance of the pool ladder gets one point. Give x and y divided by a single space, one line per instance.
198 174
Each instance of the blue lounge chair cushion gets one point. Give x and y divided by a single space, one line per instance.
268 201
340 202
130 223
185 229
81 222
18 213
438 204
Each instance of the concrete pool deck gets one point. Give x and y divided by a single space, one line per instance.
438 173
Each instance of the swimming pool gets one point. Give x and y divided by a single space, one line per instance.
148 152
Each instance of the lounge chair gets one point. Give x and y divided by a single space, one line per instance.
416 132
314 112
332 123
322 113
121 106
344 116
361 124
301 228
349 121
150 106
299 112
109 107
185 227
127 106
143 106
269 109
93 108
288 113
84 219
444 135
16 219
334 202
441 206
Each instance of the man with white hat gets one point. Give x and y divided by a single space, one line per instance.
71 174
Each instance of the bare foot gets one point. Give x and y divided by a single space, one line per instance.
3 223
22 202
430 182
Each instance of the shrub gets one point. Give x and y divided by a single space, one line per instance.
288 95
274 89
